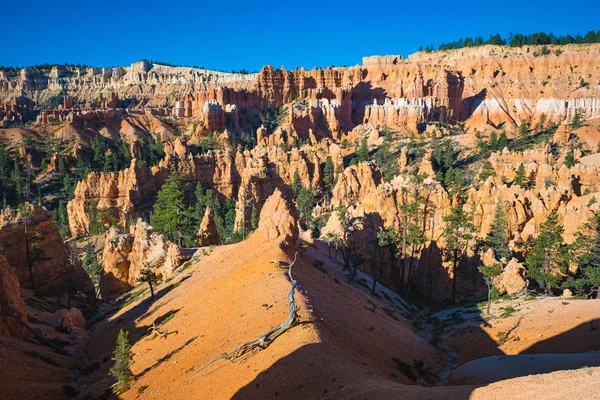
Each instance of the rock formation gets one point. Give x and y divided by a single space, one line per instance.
126 255
208 233
279 220
34 242
10 297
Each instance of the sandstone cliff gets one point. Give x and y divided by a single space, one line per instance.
10 297
34 242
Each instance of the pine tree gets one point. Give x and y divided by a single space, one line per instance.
542 121
493 142
548 258
328 178
99 149
570 158
363 151
489 272
123 358
62 220
4 167
585 251
389 239
148 276
296 184
523 130
17 181
171 216
124 156
91 264
503 141
520 176
459 231
204 198
496 238
487 170
577 121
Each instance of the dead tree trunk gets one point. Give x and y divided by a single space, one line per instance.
264 340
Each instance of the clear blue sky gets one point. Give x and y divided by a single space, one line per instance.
226 34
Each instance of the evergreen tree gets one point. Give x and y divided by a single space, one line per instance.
254 218
148 276
496 238
91 264
123 358
362 154
96 224
17 182
542 121
523 130
204 198
387 135
585 251
520 176
124 156
493 142
459 231
489 272
503 141
66 190
306 202
62 221
4 167
487 170
296 184
110 162
171 216
415 236
548 258
386 159
577 121
570 158
32 236
99 148
328 178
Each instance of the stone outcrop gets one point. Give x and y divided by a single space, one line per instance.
279 221
356 183
10 297
126 255
208 233
125 193
114 279
511 280
68 318
36 241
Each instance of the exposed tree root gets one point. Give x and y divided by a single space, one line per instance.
247 349
154 328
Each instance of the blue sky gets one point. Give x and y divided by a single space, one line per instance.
226 34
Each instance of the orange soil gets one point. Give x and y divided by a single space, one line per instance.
546 325
344 347
341 348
